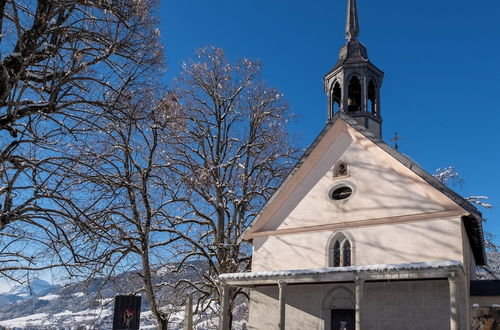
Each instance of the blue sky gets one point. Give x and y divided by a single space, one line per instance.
441 62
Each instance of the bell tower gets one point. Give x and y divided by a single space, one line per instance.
353 85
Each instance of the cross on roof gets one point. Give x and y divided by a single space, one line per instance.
396 138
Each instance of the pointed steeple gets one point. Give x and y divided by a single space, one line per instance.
352 23
353 85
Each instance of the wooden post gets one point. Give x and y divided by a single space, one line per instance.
282 302
359 295
224 309
188 314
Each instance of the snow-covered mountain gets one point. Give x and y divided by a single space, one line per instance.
35 287
22 292
78 305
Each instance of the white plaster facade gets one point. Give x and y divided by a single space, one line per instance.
394 216
430 240
413 243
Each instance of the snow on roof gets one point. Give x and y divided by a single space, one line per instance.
366 268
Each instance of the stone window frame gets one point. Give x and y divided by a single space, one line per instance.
335 172
340 184
341 237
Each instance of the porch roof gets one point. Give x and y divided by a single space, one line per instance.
406 271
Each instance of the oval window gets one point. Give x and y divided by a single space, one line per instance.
341 193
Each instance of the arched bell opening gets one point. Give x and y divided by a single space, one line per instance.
372 98
354 95
336 98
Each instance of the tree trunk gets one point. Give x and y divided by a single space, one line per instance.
148 287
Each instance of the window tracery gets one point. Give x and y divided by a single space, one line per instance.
336 254
346 253
341 251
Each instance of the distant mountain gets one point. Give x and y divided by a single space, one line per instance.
22 292
43 306
35 287
89 304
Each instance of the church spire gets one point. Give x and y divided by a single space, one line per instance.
352 23
353 85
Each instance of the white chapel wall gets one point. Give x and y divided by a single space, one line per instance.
424 241
380 190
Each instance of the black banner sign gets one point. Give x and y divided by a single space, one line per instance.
127 313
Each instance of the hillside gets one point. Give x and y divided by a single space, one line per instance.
89 305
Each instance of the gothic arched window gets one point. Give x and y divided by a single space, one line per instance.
354 92
340 251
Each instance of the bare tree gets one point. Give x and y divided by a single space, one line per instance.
120 167
233 154
450 176
62 63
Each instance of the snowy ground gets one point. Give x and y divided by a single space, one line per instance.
101 318
66 319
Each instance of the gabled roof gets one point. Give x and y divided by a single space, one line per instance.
472 223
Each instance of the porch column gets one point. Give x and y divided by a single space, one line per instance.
466 290
359 295
224 310
454 321
282 301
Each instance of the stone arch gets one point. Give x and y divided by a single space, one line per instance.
355 74
339 298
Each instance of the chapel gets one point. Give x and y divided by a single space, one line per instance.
359 236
